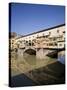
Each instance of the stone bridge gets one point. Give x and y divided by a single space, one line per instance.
39 52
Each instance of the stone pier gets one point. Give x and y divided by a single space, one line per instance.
39 52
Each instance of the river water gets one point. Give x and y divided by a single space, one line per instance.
36 72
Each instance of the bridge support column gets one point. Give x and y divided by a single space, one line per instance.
20 52
40 53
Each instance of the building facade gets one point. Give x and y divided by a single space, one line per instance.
53 37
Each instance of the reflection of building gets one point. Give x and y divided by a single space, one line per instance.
49 38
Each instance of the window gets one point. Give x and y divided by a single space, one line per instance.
63 31
47 44
49 33
23 40
29 43
26 41
32 44
57 31
54 38
29 37
43 34
60 44
37 35
55 44
29 40
46 36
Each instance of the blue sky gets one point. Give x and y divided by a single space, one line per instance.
27 18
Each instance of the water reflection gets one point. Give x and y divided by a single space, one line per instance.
30 59
46 71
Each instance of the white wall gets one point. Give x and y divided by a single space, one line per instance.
53 33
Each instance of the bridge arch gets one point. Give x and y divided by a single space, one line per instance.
30 51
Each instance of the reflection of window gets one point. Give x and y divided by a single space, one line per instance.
57 31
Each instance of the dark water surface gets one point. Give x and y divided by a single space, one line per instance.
45 75
21 80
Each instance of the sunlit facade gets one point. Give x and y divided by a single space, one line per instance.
49 38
